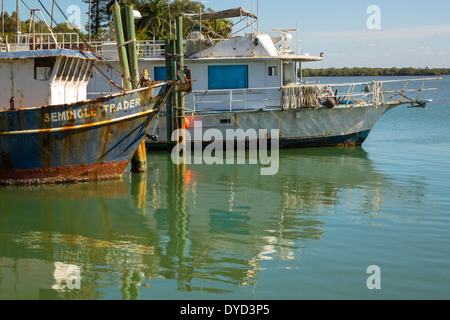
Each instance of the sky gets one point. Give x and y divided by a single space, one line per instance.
350 33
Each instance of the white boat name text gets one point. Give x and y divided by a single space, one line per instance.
86 112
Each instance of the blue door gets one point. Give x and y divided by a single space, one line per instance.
227 77
160 74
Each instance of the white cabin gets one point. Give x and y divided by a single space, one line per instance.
245 72
44 77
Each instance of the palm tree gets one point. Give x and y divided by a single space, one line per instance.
153 17
222 26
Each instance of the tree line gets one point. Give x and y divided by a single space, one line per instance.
158 18
374 72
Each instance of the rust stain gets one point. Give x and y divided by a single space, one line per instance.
80 173
5 162
349 144
45 147
68 143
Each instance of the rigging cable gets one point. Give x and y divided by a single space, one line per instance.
92 50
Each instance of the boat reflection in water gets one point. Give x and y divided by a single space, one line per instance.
194 228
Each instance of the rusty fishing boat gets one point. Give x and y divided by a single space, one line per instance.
50 132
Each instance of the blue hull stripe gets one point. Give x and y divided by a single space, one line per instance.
348 139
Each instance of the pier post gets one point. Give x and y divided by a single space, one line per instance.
177 70
169 107
120 38
175 103
175 94
139 160
130 38
180 65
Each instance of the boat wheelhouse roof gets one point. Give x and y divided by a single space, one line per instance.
294 58
230 13
46 53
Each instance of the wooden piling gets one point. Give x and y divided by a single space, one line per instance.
180 65
139 160
130 38
169 107
175 93
120 38
180 114
175 105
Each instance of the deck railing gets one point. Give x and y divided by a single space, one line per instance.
342 95
202 101
108 49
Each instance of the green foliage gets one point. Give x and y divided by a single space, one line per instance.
158 17
374 72
100 17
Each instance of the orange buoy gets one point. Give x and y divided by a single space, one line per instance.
186 123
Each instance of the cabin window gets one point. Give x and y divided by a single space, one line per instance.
160 73
43 68
288 73
62 62
78 70
273 71
73 69
227 77
67 68
83 70
89 71
42 73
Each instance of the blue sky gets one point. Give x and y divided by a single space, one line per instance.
413 33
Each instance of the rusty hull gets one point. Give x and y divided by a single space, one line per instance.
88 140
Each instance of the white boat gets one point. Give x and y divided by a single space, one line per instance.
254 82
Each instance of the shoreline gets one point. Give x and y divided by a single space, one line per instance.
374 72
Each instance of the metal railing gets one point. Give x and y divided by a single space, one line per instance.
145 48
41 41
387 91
204 101
342 95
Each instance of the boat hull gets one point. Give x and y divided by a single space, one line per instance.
296 128
89 140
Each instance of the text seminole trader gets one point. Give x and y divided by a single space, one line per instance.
85 112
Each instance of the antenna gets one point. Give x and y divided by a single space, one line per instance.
285 29
286 38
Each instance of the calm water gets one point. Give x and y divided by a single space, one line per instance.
226 232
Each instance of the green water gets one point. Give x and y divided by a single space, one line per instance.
227 232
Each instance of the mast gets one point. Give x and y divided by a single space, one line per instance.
89 23
18 20
53 9
3 17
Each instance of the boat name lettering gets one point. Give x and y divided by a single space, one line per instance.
86 112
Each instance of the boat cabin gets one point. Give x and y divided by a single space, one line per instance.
44 77
235 72
244 72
